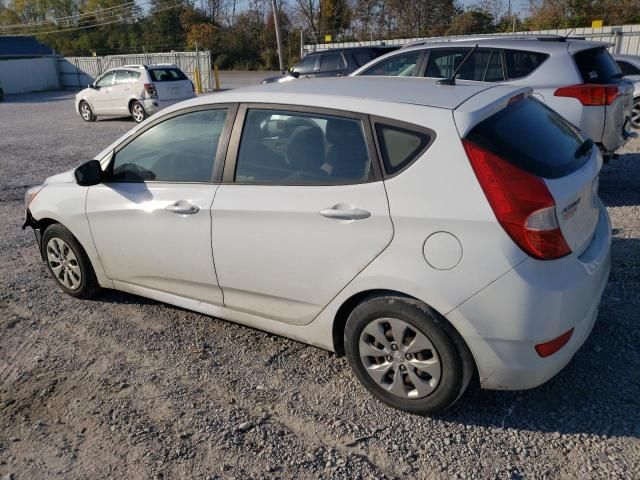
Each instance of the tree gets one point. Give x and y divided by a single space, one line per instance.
472 22
335 16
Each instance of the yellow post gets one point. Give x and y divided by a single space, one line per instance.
196 74
216 76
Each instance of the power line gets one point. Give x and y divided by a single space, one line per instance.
84 27
76 16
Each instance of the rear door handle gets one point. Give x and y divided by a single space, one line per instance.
345 212
182 207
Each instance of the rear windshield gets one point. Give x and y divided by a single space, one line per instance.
166 74
533 137
597 66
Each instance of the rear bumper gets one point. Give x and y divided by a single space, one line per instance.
534 303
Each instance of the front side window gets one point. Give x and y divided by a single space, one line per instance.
520 63
180 149
402 65
306 65
107 80
400 146
292 148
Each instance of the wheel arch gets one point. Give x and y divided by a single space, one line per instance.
343 312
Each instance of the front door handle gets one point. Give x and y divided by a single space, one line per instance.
182 207
345 212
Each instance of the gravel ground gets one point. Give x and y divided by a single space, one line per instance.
124 387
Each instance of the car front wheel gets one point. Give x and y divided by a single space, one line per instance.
86 113
138 112
68 262
406 354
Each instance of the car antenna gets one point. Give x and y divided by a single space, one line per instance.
452 79
570 32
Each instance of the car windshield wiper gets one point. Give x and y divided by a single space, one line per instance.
584 148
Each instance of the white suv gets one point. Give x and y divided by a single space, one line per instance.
431 232
577 78
136 90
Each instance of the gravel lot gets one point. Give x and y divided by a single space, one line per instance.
124 387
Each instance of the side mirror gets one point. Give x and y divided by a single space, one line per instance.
294 74
89 173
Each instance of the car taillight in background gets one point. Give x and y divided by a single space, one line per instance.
521 202
590 94
150 88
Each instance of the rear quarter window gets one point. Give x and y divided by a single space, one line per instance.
596 65
533 137
166 75
400 146
521 63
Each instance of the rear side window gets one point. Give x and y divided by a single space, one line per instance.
399 146
596 65
363 57
292 148
520 63
403 65
480 65
627 68
330 62
533 137
166 75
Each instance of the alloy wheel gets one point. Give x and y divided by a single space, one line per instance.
64 263
85 111
138 112
400 358
635 114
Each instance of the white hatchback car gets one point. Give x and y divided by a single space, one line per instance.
431 232
136 90
576 78
630 67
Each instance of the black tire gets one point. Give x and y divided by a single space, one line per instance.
635 115
55 240
138 113
455 361
86 112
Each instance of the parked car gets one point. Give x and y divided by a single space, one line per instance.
136 90
431 232
577 78
630 67
335 62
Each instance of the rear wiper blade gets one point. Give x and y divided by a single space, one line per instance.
584 148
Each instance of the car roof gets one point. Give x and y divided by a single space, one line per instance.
621 56
349 49
537 43
319 92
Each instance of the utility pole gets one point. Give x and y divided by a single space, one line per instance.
276 22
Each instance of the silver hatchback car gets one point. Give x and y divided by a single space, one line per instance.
136 90
578 79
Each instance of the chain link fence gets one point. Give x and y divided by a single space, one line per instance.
78 72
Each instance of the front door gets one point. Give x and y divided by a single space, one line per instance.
302 210
101 94
151 219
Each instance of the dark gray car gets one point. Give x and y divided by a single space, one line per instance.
334 62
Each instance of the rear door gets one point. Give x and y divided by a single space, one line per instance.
301 211
170 83
331 65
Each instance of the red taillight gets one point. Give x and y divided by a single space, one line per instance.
521 202
150 88
590 94
549 348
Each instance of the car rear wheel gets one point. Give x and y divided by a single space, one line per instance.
406 354
138 112
68 262
86 113
635 114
